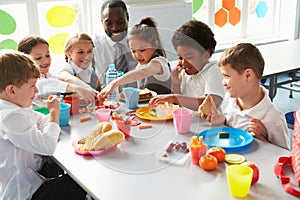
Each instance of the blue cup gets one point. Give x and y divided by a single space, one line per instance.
64 114
132 96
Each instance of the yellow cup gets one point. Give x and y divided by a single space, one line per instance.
239 180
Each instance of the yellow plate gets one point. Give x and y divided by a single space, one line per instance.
140 100
146 113
234 158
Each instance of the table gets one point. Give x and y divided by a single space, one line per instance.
134 172
280 58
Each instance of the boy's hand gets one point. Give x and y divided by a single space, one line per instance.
160 99
88 94
215 118
54 108
257 129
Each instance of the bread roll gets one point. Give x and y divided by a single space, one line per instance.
107 139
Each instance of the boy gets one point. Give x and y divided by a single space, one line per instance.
246 103
195 75
26 136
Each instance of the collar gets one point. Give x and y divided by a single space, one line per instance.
78 69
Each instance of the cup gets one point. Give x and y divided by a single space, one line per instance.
182 119
74 101
103 114
132 96
124 128
64 114
239 180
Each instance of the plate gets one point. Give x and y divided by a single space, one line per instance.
237 137
234 158
92 153
145 113
177 156
140 100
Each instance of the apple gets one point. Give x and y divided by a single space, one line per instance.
255 168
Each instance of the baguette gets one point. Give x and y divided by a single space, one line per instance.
207 107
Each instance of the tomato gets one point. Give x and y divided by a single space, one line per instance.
255 168
208 162
218 152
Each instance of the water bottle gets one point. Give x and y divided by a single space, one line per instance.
111 75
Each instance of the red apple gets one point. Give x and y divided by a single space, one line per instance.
255 168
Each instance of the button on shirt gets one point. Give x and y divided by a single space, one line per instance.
24 136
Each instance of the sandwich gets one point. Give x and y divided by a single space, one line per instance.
207 107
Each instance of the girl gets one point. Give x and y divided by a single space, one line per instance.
195 75
38 49
153 68
80 61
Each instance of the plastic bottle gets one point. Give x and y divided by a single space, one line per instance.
111 75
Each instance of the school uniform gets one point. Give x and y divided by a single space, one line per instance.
270 116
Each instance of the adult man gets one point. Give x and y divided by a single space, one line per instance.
111 43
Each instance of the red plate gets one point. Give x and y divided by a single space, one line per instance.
92 153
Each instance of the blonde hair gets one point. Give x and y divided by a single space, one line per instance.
72 41
16 68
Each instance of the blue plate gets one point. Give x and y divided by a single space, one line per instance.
237 137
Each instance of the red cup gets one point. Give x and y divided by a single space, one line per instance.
74 101
196 154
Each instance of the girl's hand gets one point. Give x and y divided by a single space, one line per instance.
257 129
89 95
176 75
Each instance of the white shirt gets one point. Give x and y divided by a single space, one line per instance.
207 81
84 74
105 54
273 120
166 74
24 136
50 83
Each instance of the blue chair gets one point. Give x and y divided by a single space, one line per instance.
290 120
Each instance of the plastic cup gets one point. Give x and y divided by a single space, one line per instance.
239 180
103 114
124 128
64 114
132 96
196 154
74 101
182 119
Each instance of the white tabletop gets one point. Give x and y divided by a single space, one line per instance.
133 171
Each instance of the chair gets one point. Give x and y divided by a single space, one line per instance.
289 117
293 85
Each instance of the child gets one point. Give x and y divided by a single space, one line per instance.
194 76
153 68
80 61
34 136
38 49
246 104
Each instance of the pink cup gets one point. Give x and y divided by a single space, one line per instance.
182 119
124 128
103 115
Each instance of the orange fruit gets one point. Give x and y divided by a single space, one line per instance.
218 152
208 162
